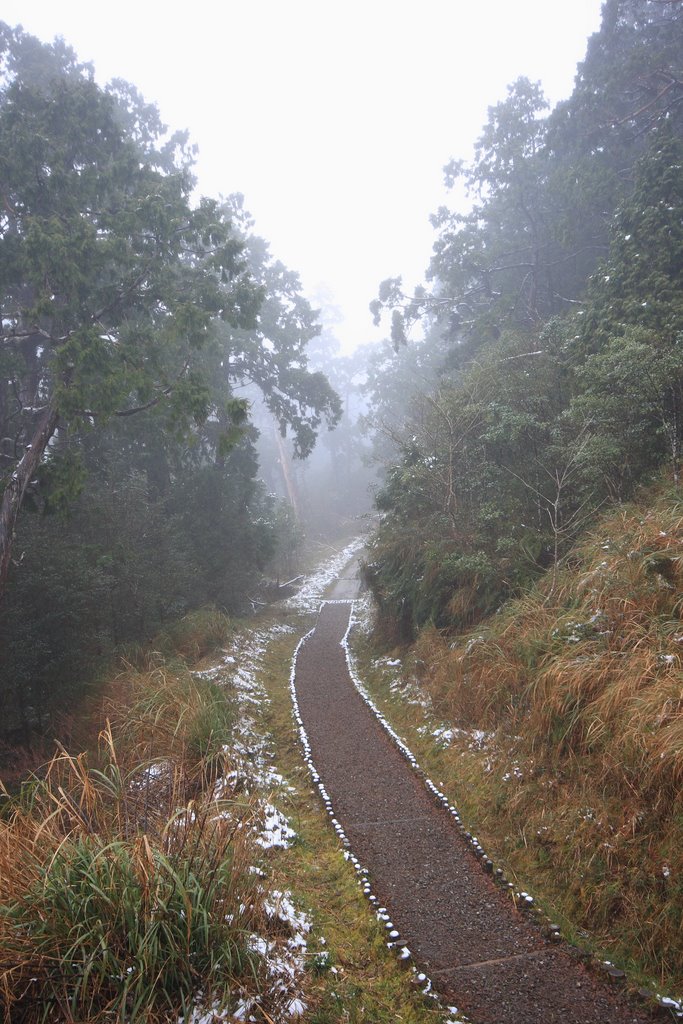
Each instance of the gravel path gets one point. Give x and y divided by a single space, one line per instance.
480 952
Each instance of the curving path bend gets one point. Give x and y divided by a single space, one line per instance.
463 930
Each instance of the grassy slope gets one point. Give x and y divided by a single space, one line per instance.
567 751
122 890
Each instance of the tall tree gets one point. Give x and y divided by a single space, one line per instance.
578 211
639 283
490 265
110 278
544 189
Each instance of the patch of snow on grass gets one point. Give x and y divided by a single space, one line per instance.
443 735
250 752
284 958
200 1015
515 772
252 771
282 908
276 832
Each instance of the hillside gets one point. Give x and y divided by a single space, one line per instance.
558 732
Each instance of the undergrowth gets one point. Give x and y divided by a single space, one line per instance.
125 892
565 748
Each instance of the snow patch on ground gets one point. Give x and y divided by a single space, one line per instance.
250 754
403 687
276 833
284 957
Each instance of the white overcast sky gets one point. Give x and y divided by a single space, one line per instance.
333 117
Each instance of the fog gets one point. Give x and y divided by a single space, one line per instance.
334 120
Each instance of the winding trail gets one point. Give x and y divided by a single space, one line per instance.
463 930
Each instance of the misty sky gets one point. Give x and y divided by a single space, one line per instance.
333 118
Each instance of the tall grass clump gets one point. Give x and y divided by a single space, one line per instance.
102 921
197 633
125 892
172 714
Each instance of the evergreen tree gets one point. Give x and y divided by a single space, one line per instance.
639 284
109 277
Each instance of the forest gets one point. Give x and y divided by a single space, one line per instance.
552 334
133 321
180 435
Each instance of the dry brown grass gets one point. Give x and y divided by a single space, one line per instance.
591 666
160 712
581 681
120 897
196 634
124 883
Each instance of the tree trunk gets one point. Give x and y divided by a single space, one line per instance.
14 492
287 473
